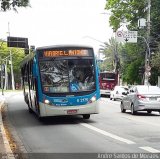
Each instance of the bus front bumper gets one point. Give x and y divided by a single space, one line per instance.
50 110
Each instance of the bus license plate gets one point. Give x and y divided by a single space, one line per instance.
72 111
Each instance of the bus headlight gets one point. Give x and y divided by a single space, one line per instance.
46 101
93 99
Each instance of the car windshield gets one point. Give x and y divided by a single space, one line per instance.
122 89
148 89
59 76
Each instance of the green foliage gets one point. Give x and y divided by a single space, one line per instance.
13 4
131 58
131 11
156 60
131 72
155 64
111 55
17 57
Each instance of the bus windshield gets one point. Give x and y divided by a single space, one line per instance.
67 75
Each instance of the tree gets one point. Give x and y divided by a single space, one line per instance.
13 4
131 11
111 52
17 56
155 64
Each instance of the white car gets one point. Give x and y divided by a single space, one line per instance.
117 92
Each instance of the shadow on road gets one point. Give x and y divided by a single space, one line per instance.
144 113
61 120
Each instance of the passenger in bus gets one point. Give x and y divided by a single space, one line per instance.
77 81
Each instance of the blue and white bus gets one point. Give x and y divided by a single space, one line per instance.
61 80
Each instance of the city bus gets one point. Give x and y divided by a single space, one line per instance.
61 80
108 80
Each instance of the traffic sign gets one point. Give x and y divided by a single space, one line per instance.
17 42
126 36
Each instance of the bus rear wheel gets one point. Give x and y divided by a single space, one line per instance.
29 108
86 116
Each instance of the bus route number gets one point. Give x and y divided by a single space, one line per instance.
81 100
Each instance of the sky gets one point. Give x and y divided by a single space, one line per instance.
52 22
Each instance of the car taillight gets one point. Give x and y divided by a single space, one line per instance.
141 96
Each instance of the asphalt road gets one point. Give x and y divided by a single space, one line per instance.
108 132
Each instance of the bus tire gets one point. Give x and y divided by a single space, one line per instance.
41 119
86 116
29 109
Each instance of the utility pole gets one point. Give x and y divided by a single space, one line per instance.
1 70
6 76
12 74
1 76
148 53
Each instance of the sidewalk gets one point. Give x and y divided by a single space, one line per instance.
5 150
2 147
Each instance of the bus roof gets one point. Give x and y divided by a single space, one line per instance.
63 46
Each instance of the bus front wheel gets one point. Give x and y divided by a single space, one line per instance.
86 116
30 110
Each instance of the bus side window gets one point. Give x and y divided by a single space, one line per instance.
34 67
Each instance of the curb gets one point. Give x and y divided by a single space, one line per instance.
8 152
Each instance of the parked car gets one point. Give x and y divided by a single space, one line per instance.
117 92
141 98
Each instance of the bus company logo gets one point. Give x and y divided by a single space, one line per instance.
54 53
64 100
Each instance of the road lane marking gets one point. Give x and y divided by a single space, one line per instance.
107 134
150 149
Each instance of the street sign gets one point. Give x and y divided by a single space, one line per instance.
126 36
17 42
119 36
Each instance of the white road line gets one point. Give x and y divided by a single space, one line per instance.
107 134
150 149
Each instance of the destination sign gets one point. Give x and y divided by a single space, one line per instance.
74 52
